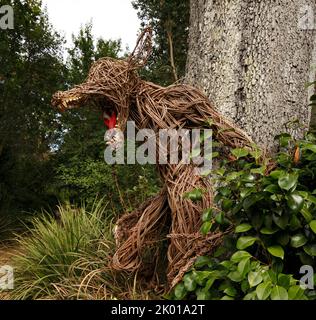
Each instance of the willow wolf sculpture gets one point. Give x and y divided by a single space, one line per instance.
115 87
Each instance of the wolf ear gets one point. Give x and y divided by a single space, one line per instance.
143 49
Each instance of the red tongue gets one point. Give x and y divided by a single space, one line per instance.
110 123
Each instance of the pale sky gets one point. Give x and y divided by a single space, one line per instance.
112 19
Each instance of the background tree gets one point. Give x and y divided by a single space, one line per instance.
170 22
253 59
31 69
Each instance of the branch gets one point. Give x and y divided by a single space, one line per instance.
171 53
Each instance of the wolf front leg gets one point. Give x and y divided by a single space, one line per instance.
138 236
186 241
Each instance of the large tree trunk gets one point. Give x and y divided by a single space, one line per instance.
253 59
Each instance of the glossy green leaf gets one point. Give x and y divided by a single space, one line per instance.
311 199
189 282
306 259
233 176
224 191
295 223
245 286
227 204
202 276
288 181
240 153
277 266
279 211
195 195
252 200
256 154
263 290
180 291
219 218
207 215
250 296
268 231
261 170
224 285
206 227
231 292
202 261
276 174
270 276
310 249
228 264
312 225
240 255
245 242
283 239
249 178
203 295
244 227
235 276
227 298
272 188
279 293
244 266
246 192
284 280
307 215
295 202
209 283
311 147
254 278
215 155
304 194
276 251
284 139
296 293
298 240
220 171
268 221
281 221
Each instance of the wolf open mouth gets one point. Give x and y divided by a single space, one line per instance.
67 100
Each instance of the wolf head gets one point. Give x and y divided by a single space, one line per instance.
111 85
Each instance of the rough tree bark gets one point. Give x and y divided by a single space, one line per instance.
253 59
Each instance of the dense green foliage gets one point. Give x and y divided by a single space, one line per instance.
31 70
170 22
274 217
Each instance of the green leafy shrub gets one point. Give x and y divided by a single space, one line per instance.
240 277
272 207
